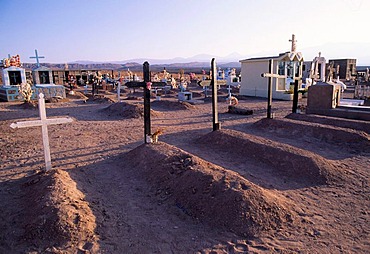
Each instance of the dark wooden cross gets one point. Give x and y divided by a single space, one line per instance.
146 84
270 75
216 124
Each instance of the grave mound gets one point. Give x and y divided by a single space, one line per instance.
100 99
172 105
331 134
208 193
128 110
59 218
291 162
333 121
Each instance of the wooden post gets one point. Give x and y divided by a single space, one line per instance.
270 75
43 122
147 129
295 97
216 124
269 91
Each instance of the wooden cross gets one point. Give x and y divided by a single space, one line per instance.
270 75
146 84
44 122
216 124
37 58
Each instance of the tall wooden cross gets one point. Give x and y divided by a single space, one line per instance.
43 122
270 75
146 84
216 124
37 58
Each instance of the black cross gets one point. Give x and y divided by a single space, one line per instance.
271 75
216 124
213 84
146 84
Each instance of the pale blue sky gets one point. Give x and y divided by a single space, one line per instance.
114 30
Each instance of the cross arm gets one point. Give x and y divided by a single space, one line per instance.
204 83
40 122
271 75
134 84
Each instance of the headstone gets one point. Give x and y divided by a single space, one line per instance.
43 122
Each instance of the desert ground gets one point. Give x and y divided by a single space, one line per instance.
296 183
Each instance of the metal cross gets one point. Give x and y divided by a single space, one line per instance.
37 58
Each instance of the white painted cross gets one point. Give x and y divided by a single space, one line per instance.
44 122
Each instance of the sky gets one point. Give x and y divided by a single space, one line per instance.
115 30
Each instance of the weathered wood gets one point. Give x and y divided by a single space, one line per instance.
216 124
270 75
295 97
146 84
43 122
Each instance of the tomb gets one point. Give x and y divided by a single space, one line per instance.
287 67
43 81
323 96
314 70
12 77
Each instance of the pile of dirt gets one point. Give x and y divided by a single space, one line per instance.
172 105
128 110
333 121
79 95
100 99
326 133
59 218
296 164
207 192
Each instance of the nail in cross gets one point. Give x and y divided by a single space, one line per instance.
146 84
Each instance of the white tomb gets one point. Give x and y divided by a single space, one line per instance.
287 67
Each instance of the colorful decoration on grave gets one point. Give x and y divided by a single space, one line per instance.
12 61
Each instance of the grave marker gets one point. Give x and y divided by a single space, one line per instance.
216 124
146 84
43 122
269 75
37 58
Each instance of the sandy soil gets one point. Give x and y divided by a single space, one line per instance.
293 184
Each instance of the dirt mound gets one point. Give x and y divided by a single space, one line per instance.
207 192
333 121
128 110
292 162
100 99
56 217
172 105
331 134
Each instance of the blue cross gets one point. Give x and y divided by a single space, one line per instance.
37 58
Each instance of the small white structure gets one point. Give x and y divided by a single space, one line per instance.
315 69
287 68
12 77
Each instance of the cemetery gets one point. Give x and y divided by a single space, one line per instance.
158 163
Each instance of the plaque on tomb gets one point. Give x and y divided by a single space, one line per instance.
44 77
15 78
